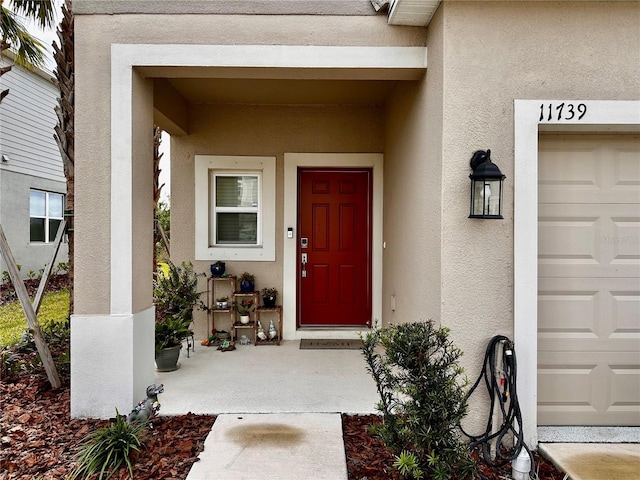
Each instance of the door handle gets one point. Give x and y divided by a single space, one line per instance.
304 259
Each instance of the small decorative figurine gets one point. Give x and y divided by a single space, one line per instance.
244 340
148 407
261 334
272 331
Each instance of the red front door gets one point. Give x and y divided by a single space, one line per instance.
334 247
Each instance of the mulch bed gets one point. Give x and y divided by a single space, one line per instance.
38 439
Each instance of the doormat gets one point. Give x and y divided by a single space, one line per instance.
330 344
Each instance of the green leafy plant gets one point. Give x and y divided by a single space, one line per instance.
247 277
244 307
108 449
407 464
175 292
269 292
422 399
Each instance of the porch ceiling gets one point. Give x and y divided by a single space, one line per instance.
282 91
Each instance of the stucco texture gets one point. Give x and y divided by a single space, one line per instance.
94 35
482 56
496 52
262 131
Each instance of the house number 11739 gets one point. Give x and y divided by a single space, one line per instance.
561 111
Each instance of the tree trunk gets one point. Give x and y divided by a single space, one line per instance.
158 235
64 130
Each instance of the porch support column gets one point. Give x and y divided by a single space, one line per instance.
113 355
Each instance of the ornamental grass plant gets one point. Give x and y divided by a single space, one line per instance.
108 449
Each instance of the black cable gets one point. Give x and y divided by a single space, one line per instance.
502 391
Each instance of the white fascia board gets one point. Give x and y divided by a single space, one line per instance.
270 56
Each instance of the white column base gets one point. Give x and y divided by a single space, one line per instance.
112 362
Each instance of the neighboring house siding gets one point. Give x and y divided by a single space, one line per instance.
27 119
31 160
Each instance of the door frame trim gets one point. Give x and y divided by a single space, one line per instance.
289 298
602 117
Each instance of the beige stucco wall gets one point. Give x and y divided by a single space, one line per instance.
412 186
94 35
495 53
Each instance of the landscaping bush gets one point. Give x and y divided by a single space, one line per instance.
422 399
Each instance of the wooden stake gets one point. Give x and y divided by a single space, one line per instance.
32 320
44 280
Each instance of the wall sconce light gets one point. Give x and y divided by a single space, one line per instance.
486 186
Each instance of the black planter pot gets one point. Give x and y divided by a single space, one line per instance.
217 269
246 286
269 302
167 359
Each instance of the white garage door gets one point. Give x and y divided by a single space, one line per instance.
589 280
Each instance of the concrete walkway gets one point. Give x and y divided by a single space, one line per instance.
273 447
595 461
278 409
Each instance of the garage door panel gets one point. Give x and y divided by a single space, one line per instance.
589 169
585 314
589 240
626 170
595 392
589 280
625 239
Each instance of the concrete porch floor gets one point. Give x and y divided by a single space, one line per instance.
268 379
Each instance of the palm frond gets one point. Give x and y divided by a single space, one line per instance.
28 49
42 11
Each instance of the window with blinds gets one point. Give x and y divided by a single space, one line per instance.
236 209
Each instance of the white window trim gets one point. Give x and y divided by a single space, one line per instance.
215 209
266 249
602 116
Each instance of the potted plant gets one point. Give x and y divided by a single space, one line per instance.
222 303
217 269
269 297
244 308
247 282
175 293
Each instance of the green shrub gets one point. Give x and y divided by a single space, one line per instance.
422 399
106 450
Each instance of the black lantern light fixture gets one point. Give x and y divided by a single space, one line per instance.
486 186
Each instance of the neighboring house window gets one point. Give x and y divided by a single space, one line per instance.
46 210
235 208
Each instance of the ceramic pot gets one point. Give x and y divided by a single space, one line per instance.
269 301
167 359
217 269
246 286
244 319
